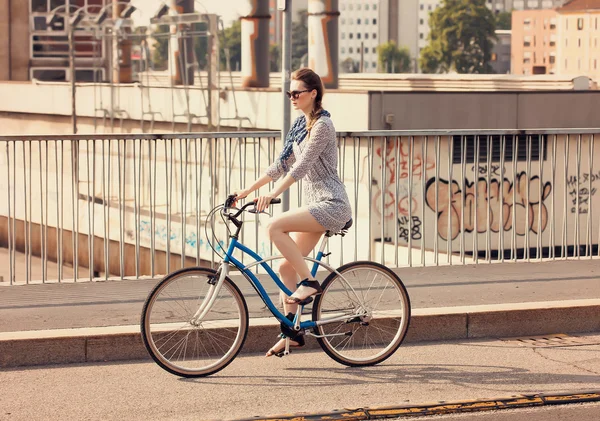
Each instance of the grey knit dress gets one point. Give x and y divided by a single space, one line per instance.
315 161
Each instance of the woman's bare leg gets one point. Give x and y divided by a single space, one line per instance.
306 242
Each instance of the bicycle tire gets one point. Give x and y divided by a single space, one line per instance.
335 292
155 321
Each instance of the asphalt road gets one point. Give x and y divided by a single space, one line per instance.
304 381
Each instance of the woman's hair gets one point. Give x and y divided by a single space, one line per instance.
312 81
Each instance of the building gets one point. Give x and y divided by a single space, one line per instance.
363 25
579 29
14 40
413 20
501 53
534 42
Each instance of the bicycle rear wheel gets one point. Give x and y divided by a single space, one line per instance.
181 346
373 311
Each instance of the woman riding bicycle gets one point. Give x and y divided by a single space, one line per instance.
310 153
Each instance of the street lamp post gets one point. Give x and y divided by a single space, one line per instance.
73 22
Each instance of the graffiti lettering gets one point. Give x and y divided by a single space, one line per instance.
483 169
506 198
585 178
581 198
407 228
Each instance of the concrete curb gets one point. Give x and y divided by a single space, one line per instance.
118 343
440 408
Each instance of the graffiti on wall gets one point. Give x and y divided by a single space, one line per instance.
192 242
507 200
580 192
397 177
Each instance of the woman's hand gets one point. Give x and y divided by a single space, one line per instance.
263 202
242 194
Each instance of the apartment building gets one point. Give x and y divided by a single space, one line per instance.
276 21
501 52
578 50
363 25
534 42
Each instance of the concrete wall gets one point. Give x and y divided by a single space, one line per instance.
476 110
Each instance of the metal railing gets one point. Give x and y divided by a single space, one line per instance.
131 206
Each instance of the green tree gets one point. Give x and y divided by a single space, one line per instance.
160 54
349 66
274 58
231 39
393 59
299 39
461 38
504 20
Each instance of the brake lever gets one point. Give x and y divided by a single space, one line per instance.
255 212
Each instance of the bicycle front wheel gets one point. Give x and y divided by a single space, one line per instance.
186 347
368 310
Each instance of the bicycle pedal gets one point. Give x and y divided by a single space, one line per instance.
306 301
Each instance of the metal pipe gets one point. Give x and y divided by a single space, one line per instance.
286 65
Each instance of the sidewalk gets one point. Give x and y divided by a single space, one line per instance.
99 321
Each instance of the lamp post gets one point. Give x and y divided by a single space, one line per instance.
74 21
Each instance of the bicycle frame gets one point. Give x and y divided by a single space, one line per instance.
245 269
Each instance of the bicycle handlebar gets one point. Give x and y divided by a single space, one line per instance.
231 200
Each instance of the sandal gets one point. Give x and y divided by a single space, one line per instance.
286 332
313 284
279 351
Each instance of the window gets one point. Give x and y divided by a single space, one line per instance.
567 24
358 35
350 7
595 63
494 57
579 42
566 64
350 35
350 50
422 7
358 21
343 50
374 7
374 65
553 23
351 21
343 21
374 35
579 24
358 6
552 59
358 50
374 21
429 7
465 148
366 35
566 42
366 7
343 35
527 41
420 21
421 35
343 7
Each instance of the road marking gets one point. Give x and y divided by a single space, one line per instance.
439 408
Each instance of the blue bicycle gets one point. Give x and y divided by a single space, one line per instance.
195 320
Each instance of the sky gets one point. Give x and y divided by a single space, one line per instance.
230 10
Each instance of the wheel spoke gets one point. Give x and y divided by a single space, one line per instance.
185 349
380 294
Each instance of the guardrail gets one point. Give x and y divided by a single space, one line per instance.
134 205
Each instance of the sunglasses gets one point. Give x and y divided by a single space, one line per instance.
295 94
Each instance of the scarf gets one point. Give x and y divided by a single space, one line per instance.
297 134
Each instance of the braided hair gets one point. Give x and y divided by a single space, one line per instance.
312 81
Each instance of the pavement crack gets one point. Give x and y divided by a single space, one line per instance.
537 352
